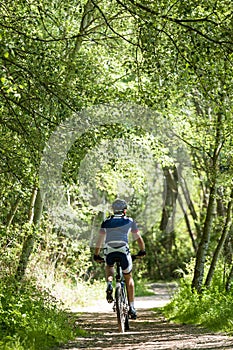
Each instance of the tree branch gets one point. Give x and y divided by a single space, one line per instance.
111 28
182 22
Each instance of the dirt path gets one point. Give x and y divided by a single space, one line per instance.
149 331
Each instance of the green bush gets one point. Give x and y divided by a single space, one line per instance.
31 319
213 308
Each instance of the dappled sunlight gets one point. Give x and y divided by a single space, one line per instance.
150 331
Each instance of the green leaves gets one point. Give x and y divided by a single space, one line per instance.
213 309
58 58
31 319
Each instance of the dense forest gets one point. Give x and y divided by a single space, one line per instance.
107 99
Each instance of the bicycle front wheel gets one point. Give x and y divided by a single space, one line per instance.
121 309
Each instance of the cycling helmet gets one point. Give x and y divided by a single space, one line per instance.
119 205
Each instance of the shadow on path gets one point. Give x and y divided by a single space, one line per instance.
149 332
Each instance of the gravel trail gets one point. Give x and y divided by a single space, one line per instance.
149 332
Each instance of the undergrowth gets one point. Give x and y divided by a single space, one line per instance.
212 309
30 319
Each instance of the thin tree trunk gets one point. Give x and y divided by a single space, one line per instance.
38 207
12 212
221 210
197 281
32 204
190 205
169 208
229 279
187 223
87 20
34 219
204 244
220 243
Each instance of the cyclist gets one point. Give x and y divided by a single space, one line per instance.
114 234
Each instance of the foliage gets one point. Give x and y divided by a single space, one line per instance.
212 308
31 318
159 264
58 58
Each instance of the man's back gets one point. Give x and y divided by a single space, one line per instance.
118 227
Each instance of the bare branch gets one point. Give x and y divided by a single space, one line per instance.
112 29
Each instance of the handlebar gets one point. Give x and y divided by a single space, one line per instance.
136 256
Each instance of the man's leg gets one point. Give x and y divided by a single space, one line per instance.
129 286
130 290
109 270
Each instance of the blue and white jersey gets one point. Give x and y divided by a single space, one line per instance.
118 227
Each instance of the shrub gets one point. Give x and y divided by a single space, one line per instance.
31 319
213 308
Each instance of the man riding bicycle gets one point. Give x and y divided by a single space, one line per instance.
114 234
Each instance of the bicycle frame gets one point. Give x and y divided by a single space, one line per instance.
121 305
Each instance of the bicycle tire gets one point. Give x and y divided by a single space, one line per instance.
126 310
127 322
121 309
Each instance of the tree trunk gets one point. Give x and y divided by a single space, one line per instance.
87 20
37 209
32 204
187 223
35 212
229 279
12 212
168 214
221 210
220 243
190 205
204 242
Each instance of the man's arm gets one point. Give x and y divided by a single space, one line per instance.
138 238
100 241
140 243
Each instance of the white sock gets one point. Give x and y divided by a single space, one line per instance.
132 304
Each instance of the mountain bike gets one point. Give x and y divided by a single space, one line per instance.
121 304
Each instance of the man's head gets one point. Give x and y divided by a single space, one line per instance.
119 206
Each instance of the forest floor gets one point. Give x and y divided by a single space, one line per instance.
151 331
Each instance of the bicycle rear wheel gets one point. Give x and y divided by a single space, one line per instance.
121 309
